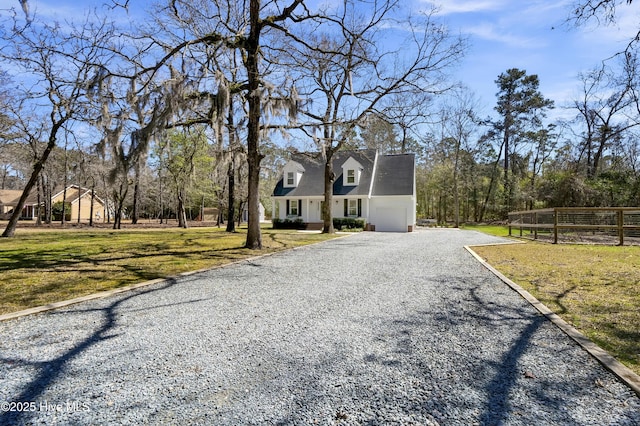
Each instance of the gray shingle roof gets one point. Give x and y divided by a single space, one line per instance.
394 175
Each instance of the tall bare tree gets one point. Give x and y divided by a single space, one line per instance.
240 27
603 12
608 107
181 153
63 62
351 71
457 124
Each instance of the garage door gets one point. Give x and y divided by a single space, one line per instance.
391 219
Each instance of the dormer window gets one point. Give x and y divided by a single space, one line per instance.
351 171
351 177
292 174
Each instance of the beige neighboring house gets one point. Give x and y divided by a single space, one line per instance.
8 200
75 196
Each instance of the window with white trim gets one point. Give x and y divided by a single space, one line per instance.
351 177
293 208
352 209
290 178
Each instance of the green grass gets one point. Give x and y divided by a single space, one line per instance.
594 288
37 268
496 230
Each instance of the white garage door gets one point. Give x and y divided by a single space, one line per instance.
391 219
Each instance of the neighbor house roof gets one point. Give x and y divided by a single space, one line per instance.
9 196
391 175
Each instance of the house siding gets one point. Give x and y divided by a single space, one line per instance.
395 214
85 209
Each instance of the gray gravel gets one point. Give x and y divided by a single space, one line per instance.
370 329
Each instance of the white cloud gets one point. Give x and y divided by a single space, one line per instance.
620 32
449 7
490 32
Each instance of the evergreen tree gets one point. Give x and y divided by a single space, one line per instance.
521 107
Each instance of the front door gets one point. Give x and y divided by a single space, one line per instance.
315 214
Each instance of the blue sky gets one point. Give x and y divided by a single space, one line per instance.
530 35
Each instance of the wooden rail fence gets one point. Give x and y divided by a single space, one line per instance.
613 221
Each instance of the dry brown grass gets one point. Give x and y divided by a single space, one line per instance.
595 288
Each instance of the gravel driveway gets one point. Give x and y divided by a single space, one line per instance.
371 329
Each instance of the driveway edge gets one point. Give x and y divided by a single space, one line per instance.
625 374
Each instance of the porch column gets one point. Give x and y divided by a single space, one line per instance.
305 210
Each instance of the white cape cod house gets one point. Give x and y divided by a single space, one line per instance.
379 189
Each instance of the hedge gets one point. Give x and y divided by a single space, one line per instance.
340 223
288 223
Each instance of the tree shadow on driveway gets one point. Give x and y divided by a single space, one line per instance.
487 362
48 372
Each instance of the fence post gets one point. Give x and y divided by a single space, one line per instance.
621 226
535 222
521 222
555 226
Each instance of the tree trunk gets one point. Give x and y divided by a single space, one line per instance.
231 173
64 200
136 194
37 168
241 207
182 214
202 209
39 206
119 200
254 236
456 195
93 198
483 206
79 202
476 208
117 216
218 218
107 211
507 178
48 200
329 177
161 200
595 164
231 224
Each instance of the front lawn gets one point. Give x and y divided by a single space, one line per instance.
41 267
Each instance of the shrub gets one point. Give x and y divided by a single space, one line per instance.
288 223
347 223
56 211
